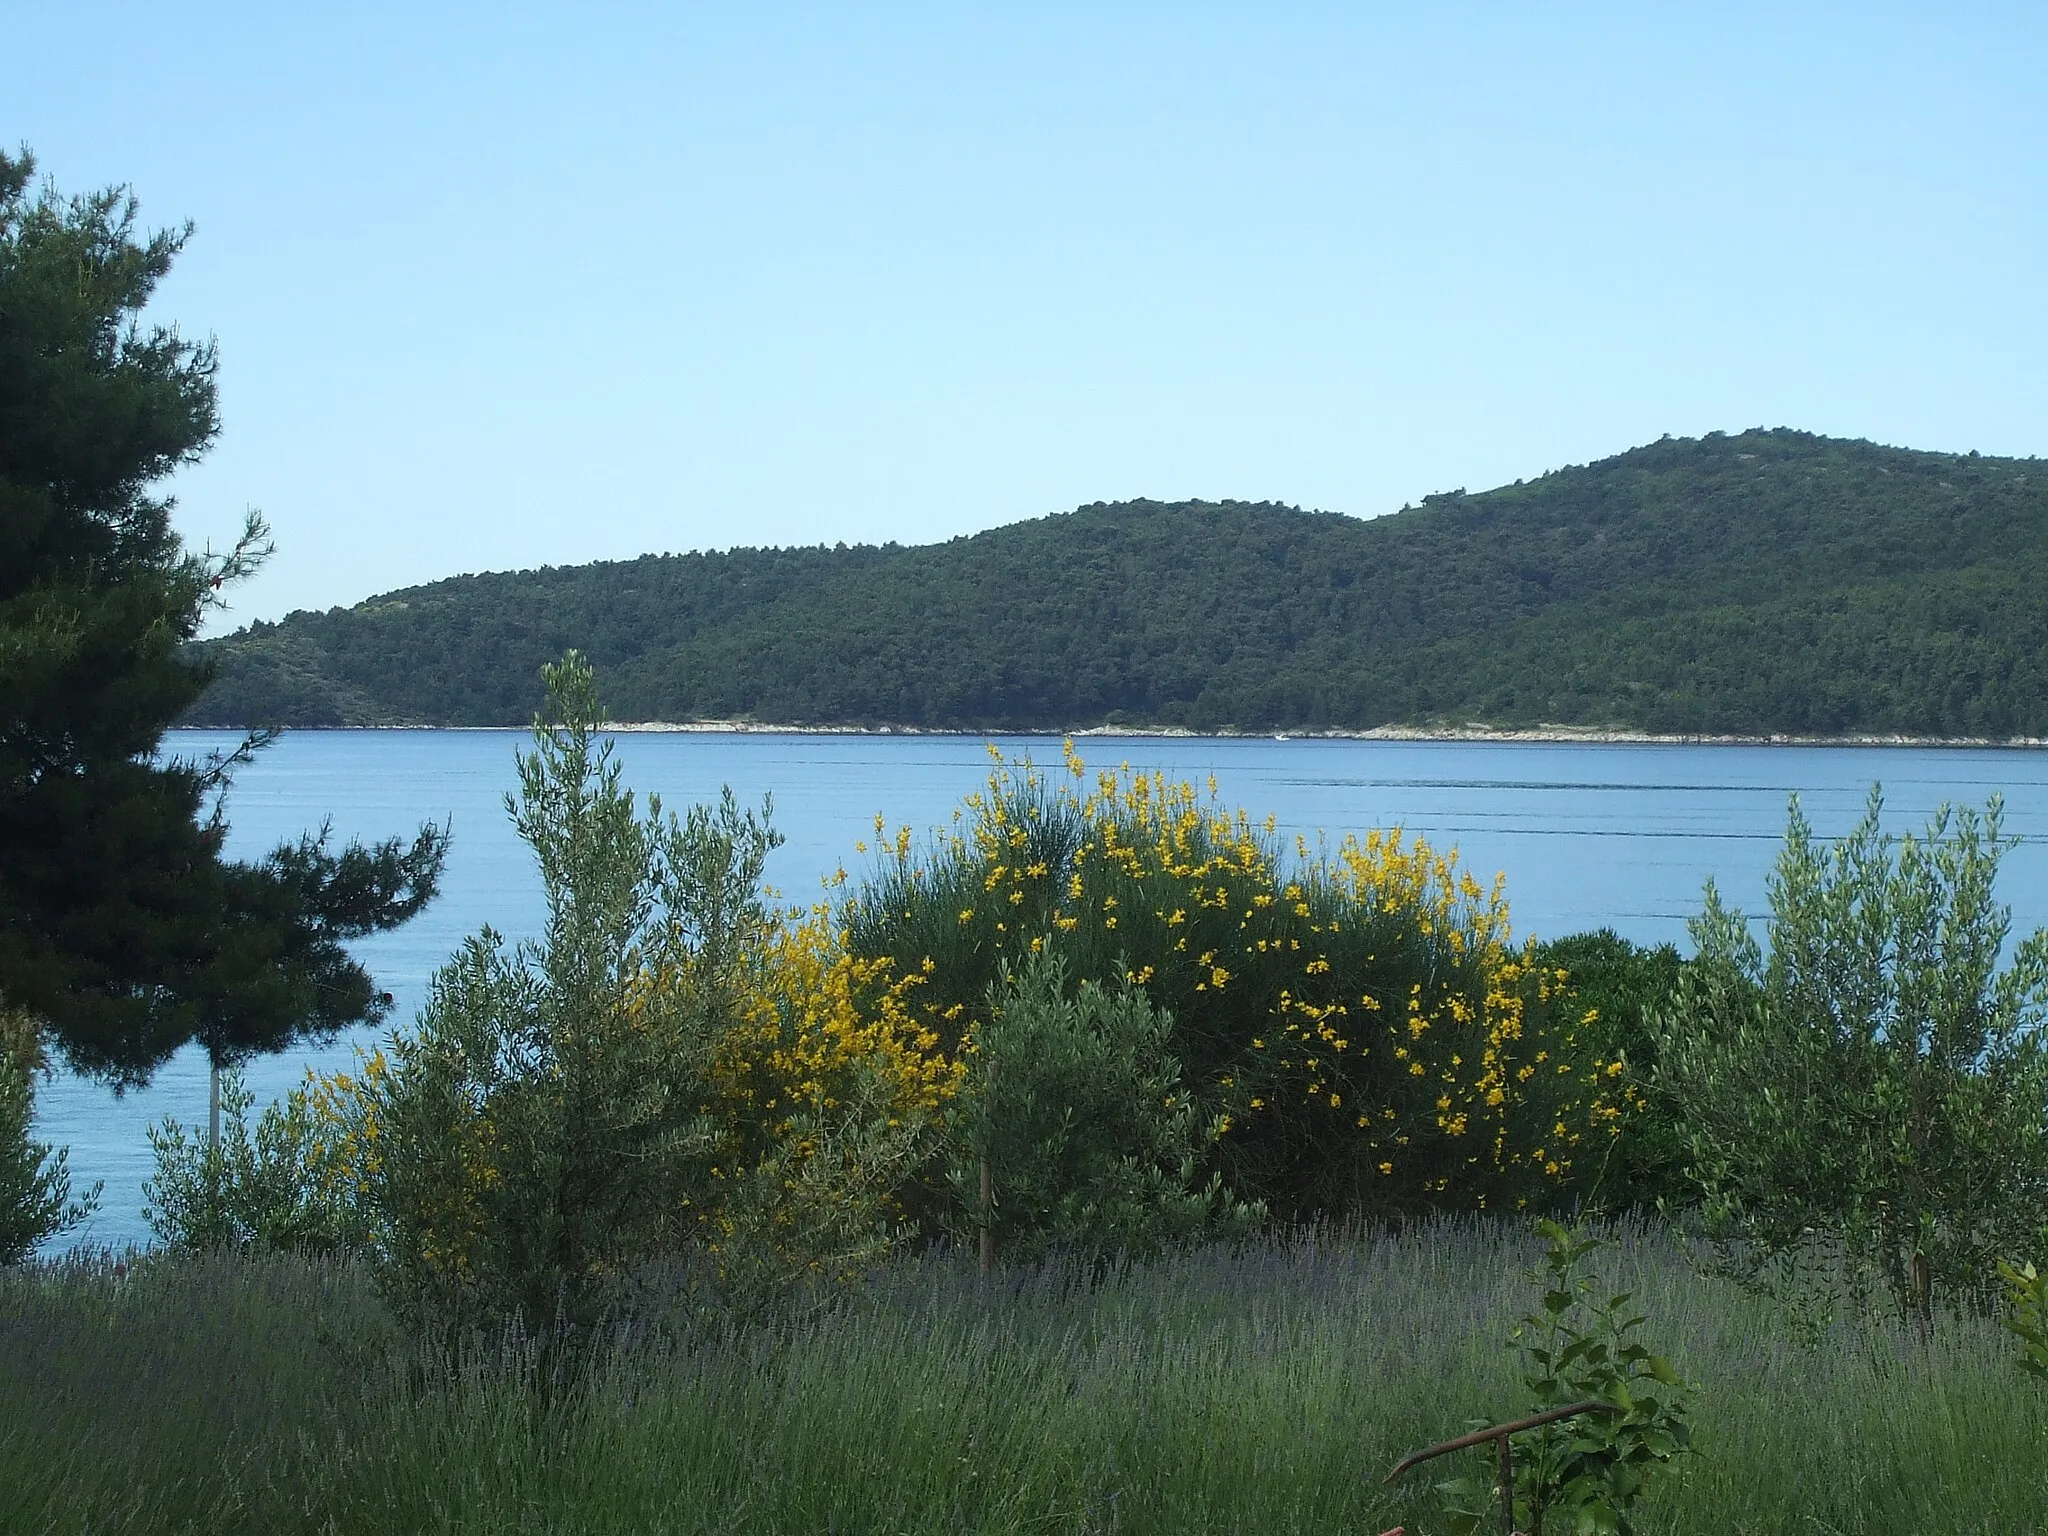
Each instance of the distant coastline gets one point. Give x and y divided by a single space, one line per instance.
1546 734
1773 587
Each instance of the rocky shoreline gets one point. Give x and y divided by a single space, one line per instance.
1551 734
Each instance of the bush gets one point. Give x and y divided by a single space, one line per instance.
1616 988
670 1071
1875 1082
288 1186
1073 1131
1361 1015
35 1184
825 1096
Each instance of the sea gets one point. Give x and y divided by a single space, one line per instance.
1588 835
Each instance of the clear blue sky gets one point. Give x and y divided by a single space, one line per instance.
498 286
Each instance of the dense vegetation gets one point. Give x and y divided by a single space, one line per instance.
945 1201
1773 581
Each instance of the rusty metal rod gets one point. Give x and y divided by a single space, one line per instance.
1502 1431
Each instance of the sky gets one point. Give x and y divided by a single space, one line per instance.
503 286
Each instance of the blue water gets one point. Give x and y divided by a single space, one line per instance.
1588 836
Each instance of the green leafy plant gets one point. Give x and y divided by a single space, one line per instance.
1073 1129
1583 1475
2026 1314
1873 1085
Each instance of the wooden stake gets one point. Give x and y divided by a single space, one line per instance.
1507 1488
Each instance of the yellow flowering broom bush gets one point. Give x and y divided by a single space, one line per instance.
814 1026
1361 1017
824 1096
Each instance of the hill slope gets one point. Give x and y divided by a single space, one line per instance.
1767 582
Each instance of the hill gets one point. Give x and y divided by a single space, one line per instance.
1773 581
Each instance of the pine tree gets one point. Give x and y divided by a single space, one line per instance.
123 930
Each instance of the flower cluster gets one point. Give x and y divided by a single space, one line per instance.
818 1033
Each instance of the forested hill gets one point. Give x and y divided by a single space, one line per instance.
1767 582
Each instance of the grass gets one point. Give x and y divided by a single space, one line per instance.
1263 1391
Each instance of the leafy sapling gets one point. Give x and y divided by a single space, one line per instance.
1871 1085
1583 1475
262 1188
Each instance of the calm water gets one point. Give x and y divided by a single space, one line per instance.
1621 836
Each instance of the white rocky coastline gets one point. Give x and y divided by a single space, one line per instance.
1588 735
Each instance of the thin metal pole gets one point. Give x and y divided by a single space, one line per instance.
212 1105
988 1217
988 1178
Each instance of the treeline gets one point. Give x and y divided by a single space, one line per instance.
1773 581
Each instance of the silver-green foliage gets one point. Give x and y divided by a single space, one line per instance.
541 1130
1870 1082
1074 1108
259 1190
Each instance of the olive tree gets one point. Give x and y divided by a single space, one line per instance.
1872 1076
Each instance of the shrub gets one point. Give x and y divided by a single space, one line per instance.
824 1094
1073 1130
670 1070
1588 1473
36 1205
1361 1014
1872 1079
287 1186
1615 988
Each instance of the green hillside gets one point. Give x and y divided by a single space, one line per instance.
1767 582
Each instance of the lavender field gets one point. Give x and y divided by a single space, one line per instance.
1267 1390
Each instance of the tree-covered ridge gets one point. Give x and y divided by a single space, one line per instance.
1773 581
